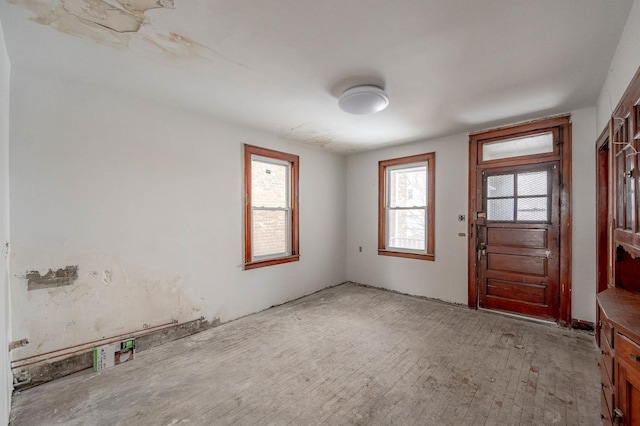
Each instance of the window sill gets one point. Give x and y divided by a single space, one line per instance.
270 262
383 252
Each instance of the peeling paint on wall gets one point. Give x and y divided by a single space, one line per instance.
116 23
59 278
18 344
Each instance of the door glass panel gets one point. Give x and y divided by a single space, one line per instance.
518 197
500 209
534 183
517 147
500 186
533 209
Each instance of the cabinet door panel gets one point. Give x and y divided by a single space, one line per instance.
628 379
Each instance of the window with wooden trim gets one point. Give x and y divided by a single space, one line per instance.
271 207
406 207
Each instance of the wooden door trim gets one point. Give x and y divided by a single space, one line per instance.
603 212
563 124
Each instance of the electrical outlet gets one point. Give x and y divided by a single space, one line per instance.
461 218
360 249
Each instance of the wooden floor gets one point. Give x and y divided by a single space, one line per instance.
345 355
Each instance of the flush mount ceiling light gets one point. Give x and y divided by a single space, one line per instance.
364 99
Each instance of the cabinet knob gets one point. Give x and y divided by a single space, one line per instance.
634 357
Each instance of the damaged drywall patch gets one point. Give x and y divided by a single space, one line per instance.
59 278
18 344
35 371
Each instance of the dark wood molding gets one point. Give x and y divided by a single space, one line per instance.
534 158
565 226
530 126
472 287
294 161
271 262
629 98
430 159
603 211
406 255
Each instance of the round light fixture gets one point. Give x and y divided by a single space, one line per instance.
366 99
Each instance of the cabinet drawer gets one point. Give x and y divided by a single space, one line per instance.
606 361
606 332
627 351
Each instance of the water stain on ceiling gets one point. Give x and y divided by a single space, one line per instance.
116 23
307 133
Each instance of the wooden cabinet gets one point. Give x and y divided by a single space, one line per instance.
618 335
624 152
618 265
628 379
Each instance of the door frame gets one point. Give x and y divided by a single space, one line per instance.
604 259
563 125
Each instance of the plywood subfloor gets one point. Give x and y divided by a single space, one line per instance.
346 355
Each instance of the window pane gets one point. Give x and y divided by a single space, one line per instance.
620 189
269 184
500 209
269 232
534 183
407 229
528 145
629 191
408 187
533 209
500 186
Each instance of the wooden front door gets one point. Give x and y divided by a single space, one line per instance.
520 222
518 252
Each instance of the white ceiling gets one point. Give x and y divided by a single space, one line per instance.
449 66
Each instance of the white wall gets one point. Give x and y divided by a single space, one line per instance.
623 67
147 201
5 376
583 265
446 277
151 197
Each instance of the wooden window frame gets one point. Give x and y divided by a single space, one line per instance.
517 159
294 243
430 159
